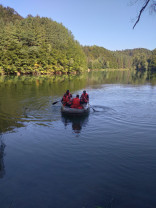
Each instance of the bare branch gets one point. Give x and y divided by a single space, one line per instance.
140 13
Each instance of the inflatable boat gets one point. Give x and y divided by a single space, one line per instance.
75 111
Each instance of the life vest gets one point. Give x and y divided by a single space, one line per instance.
64 100
76 103
85 98
68 94
69 99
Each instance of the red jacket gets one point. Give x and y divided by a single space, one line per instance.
85 98
64 100
76 103
68 99
68 94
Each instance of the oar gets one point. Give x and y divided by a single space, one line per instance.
90 105
56 102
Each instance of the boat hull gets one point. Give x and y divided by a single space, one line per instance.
75 111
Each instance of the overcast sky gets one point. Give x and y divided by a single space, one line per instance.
106 23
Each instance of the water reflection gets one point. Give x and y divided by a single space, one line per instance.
25 97
77 122
2 167
121 77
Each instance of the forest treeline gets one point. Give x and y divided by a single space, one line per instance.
140 59
35 45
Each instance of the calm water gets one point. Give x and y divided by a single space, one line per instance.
106 159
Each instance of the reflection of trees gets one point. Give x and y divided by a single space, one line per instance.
152 78
2 168
121 77
77 121
8 124
34 92
16 94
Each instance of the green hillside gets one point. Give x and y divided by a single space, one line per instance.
100 58
36 45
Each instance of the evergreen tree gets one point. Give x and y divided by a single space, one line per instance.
38 45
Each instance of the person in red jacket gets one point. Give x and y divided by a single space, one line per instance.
76 103
67 99
68 93
84 98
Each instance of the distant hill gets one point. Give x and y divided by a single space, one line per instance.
135 51
101 58
137 58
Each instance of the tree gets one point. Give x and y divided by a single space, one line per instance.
151 4
152 61
37 45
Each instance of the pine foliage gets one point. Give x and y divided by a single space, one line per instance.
38 45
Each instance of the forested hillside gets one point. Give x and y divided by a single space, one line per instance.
99 58
140 59
152 61
36 45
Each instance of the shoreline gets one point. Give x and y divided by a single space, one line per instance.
62 73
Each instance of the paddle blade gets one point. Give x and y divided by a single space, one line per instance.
55 102
93 109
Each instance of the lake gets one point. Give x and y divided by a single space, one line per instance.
106 159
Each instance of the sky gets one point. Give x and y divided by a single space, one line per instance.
105 23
